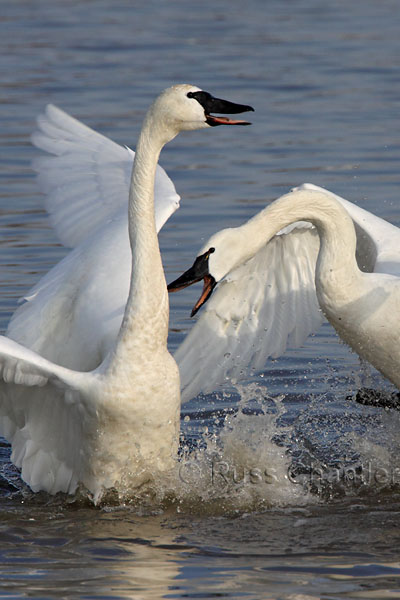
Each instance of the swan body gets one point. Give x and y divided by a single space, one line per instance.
116 426
307 251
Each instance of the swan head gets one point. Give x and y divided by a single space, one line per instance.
223 252
186 107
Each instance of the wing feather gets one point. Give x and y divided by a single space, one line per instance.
86 180
23 366
42 415
258 310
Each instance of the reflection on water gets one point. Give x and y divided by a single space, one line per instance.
79 552
285 488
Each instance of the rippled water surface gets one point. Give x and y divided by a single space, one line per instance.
286 489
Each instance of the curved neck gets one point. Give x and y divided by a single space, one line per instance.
337 255
147 280
145 321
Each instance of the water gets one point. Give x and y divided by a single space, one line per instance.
291 491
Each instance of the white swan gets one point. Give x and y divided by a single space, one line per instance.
73 314
271 287
118 425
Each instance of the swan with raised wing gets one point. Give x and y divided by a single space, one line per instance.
73 314
267 280
118 425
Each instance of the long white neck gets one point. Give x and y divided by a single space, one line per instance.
145 322
336 266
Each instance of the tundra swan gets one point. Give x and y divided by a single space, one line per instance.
116 426
273 277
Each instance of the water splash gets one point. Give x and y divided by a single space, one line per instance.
240 464
248 450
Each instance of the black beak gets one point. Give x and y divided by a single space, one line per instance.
196 273
216 105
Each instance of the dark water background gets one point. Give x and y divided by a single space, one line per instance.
324 80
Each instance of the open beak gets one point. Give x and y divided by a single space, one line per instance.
214 121
217 105
199 271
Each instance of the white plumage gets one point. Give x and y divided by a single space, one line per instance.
117 425
266 298
72 316
86 180
65 426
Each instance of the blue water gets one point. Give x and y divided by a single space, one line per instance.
324 80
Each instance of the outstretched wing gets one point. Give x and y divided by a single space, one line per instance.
256 312
86 180
41 415
25 367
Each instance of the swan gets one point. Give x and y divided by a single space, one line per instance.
116 426
267 280
73 314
